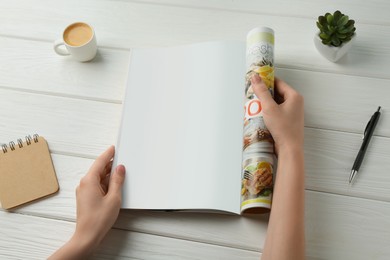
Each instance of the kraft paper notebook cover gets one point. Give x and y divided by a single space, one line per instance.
26 172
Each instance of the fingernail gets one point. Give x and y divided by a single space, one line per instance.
255 78
120 169
259 84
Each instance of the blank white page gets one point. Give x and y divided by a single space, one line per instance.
181 133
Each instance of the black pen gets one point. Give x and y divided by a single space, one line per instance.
366 140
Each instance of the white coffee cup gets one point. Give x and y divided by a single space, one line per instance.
79 40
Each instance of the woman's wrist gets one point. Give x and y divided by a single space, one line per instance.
82 244
293 149
76 248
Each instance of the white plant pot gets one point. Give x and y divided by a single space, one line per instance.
330 52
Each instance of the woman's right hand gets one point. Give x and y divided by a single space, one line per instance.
285 120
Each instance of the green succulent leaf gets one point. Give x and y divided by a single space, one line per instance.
336 42
341 36
343 30
324 36
350 26
329 19
337 15
319 26
347 29
321 20
349 23
347 39
325 29
330 29
343 20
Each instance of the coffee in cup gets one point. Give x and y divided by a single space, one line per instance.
78 34
79 40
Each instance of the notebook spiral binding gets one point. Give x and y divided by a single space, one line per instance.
12 144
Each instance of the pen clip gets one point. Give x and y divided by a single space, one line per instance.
365 130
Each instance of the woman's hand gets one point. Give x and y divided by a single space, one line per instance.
284 119
98 198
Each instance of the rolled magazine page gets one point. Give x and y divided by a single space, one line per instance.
258 145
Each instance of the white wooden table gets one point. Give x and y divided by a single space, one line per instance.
77 107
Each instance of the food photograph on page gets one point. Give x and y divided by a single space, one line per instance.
257 135
257 181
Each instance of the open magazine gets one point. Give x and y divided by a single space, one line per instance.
184 139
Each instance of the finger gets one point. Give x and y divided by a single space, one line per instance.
262 92
116 181
98 168
283 89
105 176
108 167
104 183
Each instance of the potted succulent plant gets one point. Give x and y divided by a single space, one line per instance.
335 36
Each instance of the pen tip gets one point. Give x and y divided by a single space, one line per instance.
353 173
379 108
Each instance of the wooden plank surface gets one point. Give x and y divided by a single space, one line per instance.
28 237
341 102
44 72
73 126
373 12
340 227
336 228
329 157
129 24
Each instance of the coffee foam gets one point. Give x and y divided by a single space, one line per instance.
78 34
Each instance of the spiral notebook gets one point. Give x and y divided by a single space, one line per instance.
26 172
